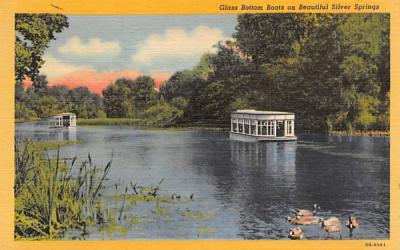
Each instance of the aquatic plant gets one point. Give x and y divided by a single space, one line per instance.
49 199
58 197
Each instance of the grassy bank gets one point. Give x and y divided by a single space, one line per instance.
19 120
145 123
47 145
360 133
112 122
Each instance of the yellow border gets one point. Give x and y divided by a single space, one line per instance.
7 10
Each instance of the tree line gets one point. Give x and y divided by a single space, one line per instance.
331 70
42 101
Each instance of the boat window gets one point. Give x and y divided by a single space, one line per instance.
253 129
234 125
262 129
240 126
247 127
289 127
270 128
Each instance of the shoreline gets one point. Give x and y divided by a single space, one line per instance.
377 133
144 124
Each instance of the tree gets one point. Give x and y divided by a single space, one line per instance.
118 100
47 106
144 93
267 37
163 115
203 68
129 98
179 103
39 85
178 85
33 34
216 102
84 103
332 70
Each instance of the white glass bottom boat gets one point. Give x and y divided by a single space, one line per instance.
254 125
63 120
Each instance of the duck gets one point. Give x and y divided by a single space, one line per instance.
352 224
295 233
307 220
331 225
304 212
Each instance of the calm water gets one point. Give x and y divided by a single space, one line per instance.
248 188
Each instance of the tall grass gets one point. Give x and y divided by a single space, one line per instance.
360 133
112 121
149 123
55 196
49 198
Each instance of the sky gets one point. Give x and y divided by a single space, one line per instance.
96 50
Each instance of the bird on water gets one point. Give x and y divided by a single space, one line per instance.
352 224
304 212
331 225
295 233
303 220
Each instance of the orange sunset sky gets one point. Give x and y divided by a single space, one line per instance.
96 50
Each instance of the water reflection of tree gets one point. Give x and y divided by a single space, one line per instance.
350 177
256 179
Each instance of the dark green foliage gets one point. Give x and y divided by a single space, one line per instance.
268 37
33 33
84 103
39 85
179 85
332 70
129 98
163 115
41 101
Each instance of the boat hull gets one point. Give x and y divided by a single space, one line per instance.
252 138
66 127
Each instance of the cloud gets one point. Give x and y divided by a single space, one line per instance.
54 67
94 47
177 43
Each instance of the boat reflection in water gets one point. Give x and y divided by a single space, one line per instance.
272 156
62 134
249 187
264 182
40 131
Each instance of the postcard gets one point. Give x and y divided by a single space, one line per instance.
188 125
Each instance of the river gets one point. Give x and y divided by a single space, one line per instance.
246 190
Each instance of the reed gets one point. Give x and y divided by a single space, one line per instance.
55 196
49 199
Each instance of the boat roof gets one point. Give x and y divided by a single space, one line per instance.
260 112
62 114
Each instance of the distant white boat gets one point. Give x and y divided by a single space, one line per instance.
256 125
63 120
